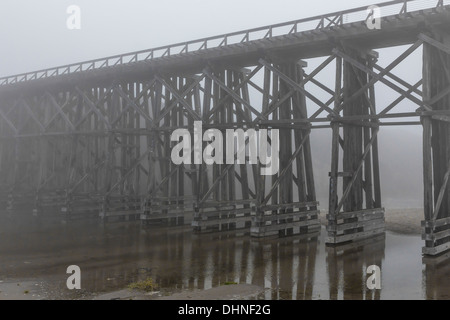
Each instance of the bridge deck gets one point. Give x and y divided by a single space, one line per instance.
399 29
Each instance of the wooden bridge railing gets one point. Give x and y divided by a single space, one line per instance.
400 7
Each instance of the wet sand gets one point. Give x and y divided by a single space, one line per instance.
187 266
226 292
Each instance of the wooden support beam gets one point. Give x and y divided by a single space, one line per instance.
296 86
380 76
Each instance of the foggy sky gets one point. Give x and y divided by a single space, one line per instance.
33 33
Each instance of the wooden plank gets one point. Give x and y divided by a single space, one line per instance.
368 172
434 251
354 237
119 213
164 216
369 241
442 193
436 261
436 223
441 118
436 235
427 135
334 174
434 43
313 224
220 222
369 217
303 164
291 216
338 229
294 205
229 117
221 212
284 180
226 204
356 214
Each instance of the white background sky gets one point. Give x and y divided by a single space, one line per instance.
33 33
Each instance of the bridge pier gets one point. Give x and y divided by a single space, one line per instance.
286 202
357 214
174 103
225 193
436 143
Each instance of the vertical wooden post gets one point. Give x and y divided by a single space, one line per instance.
333 200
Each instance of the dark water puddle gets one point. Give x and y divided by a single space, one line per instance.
113 256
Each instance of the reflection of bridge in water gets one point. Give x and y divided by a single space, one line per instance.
299 268
289 269
95 137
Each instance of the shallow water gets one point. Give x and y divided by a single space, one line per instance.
114 255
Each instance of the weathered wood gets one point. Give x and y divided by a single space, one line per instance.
361 189
436 78
355 236
431 224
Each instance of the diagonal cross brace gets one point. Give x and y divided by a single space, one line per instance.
60 111
285 170
11 125
441 194
297 87
125 176
233 94
87 174
307 79
33 116
357 171
236 90
132 103
434 43
179 98
401 98
182 95
380 76
94 108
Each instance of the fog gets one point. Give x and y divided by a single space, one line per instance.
33 36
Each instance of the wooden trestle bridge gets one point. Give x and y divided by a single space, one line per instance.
94 138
